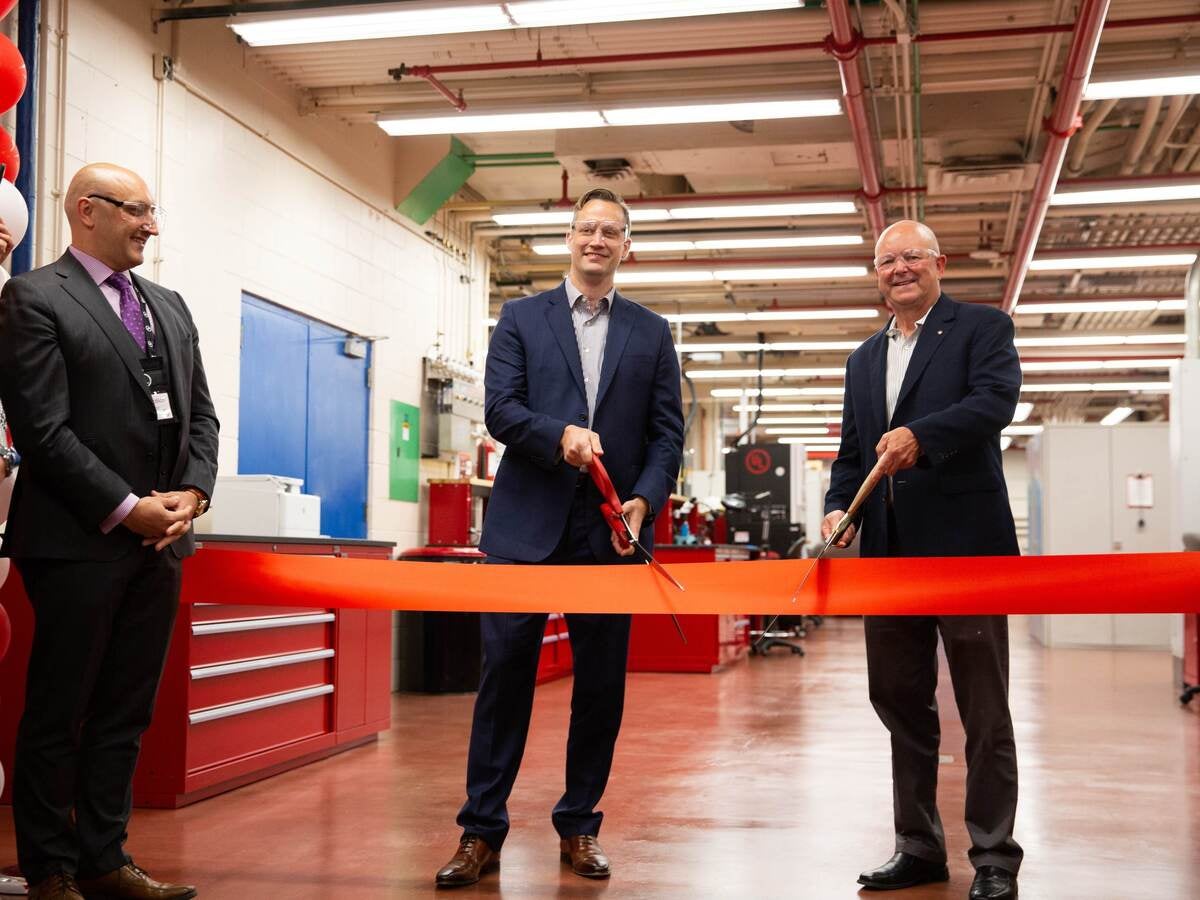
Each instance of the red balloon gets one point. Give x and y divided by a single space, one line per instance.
5 632
12 74
9 157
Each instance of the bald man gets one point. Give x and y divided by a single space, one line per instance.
928 395
100 374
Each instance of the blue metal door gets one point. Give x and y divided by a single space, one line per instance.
303 411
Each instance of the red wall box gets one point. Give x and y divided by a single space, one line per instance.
714 641
248 691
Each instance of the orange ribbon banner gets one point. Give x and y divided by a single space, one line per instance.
947 586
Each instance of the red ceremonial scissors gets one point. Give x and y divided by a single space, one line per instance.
615 516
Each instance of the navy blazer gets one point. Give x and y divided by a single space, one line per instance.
534 390
959 391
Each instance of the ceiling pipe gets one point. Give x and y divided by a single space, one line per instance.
1133 153
1083 137
825 45
1060 125
1176 107
845 43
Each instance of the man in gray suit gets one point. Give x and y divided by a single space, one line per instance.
100 374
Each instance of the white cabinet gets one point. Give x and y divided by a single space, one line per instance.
1085 484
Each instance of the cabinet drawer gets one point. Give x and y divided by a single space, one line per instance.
222 734
229 646
209 612
222 683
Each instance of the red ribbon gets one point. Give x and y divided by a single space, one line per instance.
948 586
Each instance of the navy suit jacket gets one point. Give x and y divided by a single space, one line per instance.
959 391
534 390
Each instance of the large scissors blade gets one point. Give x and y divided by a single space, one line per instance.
873 478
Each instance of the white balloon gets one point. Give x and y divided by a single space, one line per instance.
13 210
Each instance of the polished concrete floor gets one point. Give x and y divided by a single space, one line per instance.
768 780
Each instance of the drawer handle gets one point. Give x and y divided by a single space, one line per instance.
260 662
245 706
229 625
551 638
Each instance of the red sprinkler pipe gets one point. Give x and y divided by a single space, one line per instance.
1062 123
845 43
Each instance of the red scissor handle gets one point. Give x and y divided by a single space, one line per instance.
611 507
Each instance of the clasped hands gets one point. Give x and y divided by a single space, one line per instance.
579 446
162 518
897 449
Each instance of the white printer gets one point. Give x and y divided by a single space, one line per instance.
263 506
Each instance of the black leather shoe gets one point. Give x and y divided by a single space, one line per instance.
474 858
904 871
993 883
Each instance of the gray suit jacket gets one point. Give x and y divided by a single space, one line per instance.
82 418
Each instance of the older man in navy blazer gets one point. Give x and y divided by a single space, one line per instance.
574 373
929 395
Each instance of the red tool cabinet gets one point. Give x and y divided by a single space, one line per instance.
248 691
714 641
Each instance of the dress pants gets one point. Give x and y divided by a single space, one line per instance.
512 643
100 641
902 669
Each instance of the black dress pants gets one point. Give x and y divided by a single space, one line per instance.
512 643
100 641
902 671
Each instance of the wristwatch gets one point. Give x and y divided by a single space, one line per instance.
201 501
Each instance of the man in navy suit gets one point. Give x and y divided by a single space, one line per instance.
574 373
929 395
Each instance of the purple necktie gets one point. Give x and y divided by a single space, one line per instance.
131 308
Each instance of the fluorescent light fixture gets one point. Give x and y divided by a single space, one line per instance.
1097 306
831 391
1142 194
1120 414
775 243
792 273
799 420
484 123
812 372
448 17
765 210
1091 365
1022 430
1022 412
726 211
1145 261
563 217
636 275
1078 387
559 248
797 315
1100 340
788 407
822 432
815 444
492 322
720 112
776 346
703 356
1005 443
550 119
1167 86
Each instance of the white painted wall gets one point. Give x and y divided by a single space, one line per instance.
294 209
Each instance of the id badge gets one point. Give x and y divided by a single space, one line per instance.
156 382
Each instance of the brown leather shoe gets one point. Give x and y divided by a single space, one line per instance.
585 856
59 886
474 858
132 883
